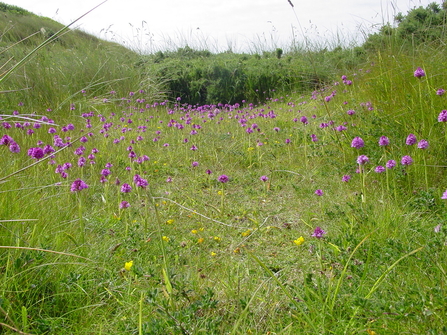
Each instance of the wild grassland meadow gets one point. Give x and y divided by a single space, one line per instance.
126 211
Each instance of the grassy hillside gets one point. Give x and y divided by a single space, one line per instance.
56 76
318 212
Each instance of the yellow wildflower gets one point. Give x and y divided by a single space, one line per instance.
194 231
299 240
217 238
213 253
246 233
200 240
128 265
170 221
166 239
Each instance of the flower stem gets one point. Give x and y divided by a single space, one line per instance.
81 219
362 172
222 198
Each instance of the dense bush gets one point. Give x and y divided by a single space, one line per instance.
420 25
200 77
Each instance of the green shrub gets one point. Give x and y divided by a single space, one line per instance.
420 25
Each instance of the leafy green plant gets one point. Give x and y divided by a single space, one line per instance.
419 25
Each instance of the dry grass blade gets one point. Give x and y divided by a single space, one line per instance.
13 329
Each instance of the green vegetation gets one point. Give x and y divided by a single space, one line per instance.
201 77
48 80
124 210
420 25
14 9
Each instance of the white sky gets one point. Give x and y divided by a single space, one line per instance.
217 25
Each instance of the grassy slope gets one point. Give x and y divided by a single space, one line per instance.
221 258
48 79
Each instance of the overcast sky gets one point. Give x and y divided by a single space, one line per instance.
217 25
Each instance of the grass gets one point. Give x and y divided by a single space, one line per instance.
45 81
185 250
